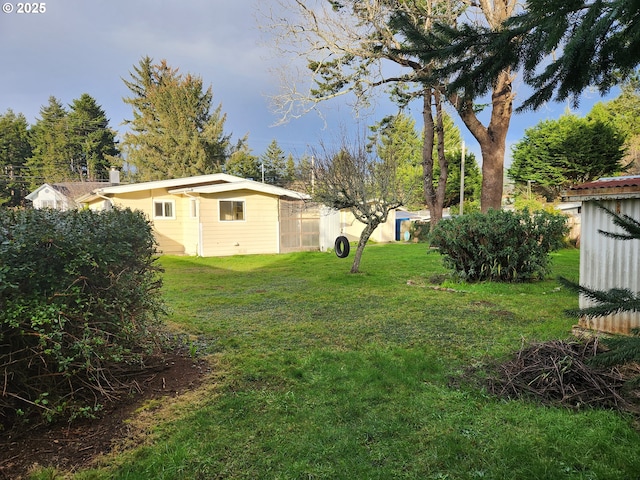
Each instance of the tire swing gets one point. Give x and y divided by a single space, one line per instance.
342 247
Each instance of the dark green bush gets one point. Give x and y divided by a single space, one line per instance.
500 245
420 230
79 302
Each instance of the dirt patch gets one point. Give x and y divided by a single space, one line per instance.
72 447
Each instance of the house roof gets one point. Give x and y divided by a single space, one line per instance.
171 183
71 190
605 188
242 185
213 183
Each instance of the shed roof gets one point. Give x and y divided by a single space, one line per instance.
605 188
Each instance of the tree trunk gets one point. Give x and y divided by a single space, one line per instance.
442 158
492 139
364 238
428 137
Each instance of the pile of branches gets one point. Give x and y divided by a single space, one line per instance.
561 373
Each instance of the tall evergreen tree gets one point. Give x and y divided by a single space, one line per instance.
174 131
71 145
243 163
53 156
14 152
93 142
397 136
274 162
561 47
290 169
420 31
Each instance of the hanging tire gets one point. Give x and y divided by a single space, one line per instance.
342 247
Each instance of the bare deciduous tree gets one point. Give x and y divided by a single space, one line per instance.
353 47
350 47
353 178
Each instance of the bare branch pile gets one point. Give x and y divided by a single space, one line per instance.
559 373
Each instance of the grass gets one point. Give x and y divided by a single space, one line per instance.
321 374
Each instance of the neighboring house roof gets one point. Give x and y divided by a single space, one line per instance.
611 187
213 183
70 190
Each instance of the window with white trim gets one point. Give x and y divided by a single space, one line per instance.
231 210
193 208
164 209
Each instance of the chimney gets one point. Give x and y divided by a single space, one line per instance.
114 176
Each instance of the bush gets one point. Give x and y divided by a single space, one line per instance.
419 230
79 300
500 245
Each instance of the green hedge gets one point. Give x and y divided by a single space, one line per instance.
79 303
500 245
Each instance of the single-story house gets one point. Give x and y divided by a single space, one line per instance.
607 263
217 214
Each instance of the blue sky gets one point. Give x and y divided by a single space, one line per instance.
88 46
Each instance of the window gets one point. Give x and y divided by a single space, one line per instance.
193 208
231 210
164 209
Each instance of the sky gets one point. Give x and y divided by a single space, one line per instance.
89 46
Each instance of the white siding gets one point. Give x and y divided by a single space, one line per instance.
50 198
352 228
607 263
257 233
329 228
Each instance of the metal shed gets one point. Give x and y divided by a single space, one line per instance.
607 263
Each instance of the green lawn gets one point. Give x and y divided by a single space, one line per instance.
320 374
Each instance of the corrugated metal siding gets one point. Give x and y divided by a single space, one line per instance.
607 263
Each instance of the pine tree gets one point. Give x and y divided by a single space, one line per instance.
244 164
14 152
274 162
174 132
397 136
561 48
53 153
74 145
290 169
93 141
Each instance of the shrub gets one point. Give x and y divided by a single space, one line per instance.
500 245
419 230
79 300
